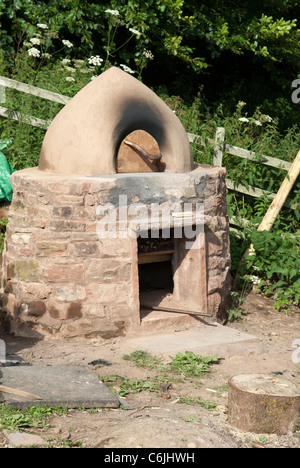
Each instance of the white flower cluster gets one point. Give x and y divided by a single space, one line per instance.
35 41
65 61
126 69
95 60
257 122
67 43
70 69
70 78
252 279
112 12
42 26
266 118
34 52
135 31
148 54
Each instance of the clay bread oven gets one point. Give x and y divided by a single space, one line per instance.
116 155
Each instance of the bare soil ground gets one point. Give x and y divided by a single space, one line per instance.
147 419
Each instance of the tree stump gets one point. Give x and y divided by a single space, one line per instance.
263 404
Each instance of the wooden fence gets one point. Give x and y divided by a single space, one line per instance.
219 143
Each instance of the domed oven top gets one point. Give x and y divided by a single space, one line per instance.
88 134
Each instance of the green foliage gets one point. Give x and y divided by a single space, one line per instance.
207 404
189 364
3 224
188 33
142 359
65 76
124 386
277 266
186 364
34 416
235 313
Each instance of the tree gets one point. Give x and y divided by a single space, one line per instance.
250 45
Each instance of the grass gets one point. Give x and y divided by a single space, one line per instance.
143 359
207 404
183 366
124 387
189 364
33 417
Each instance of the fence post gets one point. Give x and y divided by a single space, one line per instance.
2 352
2 94
219 146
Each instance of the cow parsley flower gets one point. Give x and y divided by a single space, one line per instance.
42 26
34 52
126 69
95 60
67 43
252 279
78 63
148 54
35 41
70 78
266 118
243 119
135 31
65 61
112 12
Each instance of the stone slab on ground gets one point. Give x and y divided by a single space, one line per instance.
67 386
206 340
23 439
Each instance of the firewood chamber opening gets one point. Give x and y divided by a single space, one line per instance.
155 266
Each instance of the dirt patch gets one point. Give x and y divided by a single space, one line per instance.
169 416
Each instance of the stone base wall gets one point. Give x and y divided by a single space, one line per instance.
60 279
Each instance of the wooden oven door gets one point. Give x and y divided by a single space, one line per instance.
139 152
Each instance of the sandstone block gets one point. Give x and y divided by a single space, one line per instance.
107 270
74 311
70 293
50 248
66 273
85 249
67 225
27 270
34 308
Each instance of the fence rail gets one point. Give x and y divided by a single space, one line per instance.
33 90
219 143
221 148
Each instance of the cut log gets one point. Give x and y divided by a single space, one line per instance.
263 404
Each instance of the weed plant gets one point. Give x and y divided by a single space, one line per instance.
183 366
34 416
